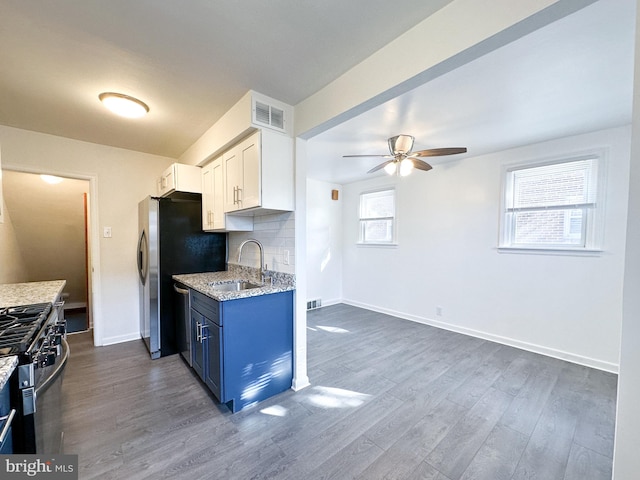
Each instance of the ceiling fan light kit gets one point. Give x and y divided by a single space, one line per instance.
404 160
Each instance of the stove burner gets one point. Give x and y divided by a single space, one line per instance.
19 326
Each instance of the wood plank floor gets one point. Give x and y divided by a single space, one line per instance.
390 399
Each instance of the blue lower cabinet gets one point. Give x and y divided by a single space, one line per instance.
213 371
197 345
243 348
6 418
258 348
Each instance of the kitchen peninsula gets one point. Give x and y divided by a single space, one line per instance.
241 332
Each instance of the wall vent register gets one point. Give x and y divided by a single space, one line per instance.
268 115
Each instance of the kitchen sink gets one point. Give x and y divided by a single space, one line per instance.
233 286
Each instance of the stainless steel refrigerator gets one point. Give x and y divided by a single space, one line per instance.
170 242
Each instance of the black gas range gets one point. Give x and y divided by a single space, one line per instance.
19 327
36 334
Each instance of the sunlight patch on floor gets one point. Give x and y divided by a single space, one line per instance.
275 410
332 329
331 397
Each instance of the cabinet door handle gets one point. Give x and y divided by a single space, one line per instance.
198 332
235 195
239 195
202 335
163 182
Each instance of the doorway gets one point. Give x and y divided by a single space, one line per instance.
50 220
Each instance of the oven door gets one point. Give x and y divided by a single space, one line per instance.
48 415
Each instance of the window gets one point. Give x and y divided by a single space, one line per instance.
377 217
552 206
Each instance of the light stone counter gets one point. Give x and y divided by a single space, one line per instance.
202 282
15 294
7 366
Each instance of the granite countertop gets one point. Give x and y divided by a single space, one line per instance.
14 294
7 366
201 282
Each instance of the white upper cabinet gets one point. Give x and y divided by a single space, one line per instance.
242 175
180 178
213 216
207 196
258 174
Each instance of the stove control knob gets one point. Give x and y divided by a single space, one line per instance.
47 358
61 327
55 339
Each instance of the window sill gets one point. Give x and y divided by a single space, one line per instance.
377 245
581 252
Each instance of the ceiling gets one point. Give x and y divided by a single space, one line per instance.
573 76
189 61
191 65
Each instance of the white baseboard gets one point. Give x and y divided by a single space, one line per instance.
550 352
299 383
120 339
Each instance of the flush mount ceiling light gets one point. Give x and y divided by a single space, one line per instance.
124 105
52 179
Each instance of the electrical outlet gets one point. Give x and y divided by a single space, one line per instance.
439 311
285 255
107 232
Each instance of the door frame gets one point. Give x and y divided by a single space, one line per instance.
93 261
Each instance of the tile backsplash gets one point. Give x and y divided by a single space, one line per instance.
276 232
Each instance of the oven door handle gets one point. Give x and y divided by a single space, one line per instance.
7 426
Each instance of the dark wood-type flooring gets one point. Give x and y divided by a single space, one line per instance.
389 399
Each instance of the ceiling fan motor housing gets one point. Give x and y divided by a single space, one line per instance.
401 144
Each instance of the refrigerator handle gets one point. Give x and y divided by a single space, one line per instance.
143 255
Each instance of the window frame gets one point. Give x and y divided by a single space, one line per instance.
394 219
592 226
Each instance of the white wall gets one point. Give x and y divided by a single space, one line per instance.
324 242
626 461
121 178
448 220
13 269
49 224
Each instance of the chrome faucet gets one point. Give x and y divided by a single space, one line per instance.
262 266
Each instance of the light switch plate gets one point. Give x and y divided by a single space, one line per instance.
107 232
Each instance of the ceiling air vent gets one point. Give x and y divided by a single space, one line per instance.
269 115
